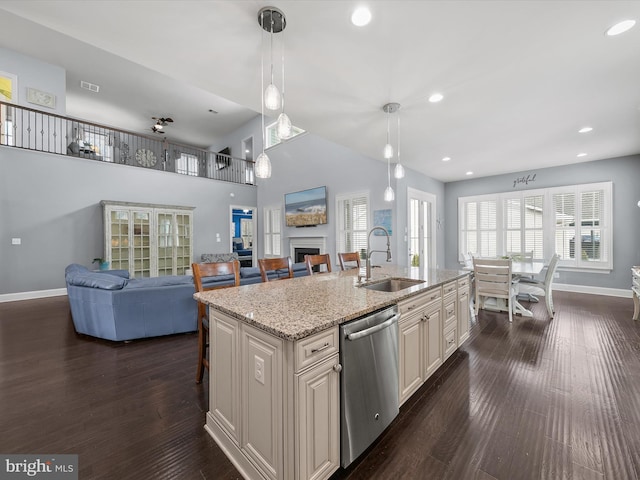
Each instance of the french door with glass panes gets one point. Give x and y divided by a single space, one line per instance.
421 227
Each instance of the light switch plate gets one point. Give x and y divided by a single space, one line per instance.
16 241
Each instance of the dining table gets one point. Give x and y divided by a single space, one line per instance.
519 268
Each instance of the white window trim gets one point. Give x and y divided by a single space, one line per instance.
270 232
340 221
576 264
272 125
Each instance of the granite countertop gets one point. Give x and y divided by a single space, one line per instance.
296 308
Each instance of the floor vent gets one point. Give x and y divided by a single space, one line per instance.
90 86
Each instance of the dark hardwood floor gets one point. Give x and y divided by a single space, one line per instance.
536 399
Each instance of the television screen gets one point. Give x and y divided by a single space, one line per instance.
306 208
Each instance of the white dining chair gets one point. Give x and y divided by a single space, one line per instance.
543 288
493 279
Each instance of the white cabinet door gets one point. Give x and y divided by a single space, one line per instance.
433 350
225 384
318 420
463 315
410 363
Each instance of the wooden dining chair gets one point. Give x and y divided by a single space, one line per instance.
317 261
275 264
345 258
202 271
493 279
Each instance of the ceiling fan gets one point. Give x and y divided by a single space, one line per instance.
162 121
157 129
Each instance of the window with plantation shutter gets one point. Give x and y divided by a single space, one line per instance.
533 226
353 222
573 221
272 232
478 234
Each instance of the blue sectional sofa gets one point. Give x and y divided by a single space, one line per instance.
108 304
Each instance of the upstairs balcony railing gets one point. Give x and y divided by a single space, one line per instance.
29 129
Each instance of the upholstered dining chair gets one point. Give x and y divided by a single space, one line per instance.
318 261
493 279
270 264
202 271
346 258
542 288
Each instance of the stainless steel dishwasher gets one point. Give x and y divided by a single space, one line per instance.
369 380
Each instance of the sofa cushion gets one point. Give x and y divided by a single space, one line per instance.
96 280
74 267
159 281
117 273
218 257
249 272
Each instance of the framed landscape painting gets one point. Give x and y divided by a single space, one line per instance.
8 87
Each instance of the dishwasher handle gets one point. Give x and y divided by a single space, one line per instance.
371 330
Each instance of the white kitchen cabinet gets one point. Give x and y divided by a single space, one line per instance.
463 313
420 341
148 240
261 418
411 347
275 404
318 420
224 387
450 326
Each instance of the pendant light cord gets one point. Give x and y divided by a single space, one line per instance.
262 82
282 32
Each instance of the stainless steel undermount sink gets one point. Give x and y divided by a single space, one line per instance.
393 284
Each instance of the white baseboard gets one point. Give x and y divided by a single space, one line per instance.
12 297
610 292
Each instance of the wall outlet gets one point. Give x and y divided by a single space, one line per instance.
259 371
16 241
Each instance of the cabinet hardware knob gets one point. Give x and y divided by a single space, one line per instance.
337 367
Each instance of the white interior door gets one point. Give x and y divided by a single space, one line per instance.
421 227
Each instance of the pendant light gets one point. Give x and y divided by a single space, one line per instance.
283 126
389 108
399 170
262 166
388 149
272 20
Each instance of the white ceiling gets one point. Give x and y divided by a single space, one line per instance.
519 77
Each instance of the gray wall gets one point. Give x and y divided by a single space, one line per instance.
52 203
309 161
624 172
35 74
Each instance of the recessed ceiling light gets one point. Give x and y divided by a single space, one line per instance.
621 27
585 129
581 155
469 173
436 97
361 16
446 159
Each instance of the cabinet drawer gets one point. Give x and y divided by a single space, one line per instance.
450 342
449 312
423 300
463 283
448 288
315 348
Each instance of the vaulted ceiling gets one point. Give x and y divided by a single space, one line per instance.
519 78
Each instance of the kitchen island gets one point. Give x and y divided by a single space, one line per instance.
274 355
